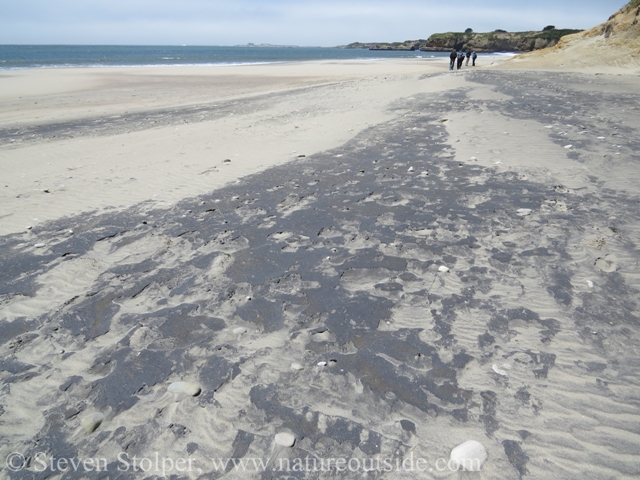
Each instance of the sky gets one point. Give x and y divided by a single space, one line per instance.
281 22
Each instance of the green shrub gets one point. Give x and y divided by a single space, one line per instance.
558 34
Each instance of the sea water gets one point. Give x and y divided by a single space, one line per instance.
57 56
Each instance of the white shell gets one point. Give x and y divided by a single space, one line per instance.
568 146
501 369
296 366
184 387
239 331
285 439
523 212
410 169
322 364
443 269
590 283
469 456
40 245
91 422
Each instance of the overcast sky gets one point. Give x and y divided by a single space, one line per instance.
291 22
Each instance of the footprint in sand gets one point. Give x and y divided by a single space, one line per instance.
606 263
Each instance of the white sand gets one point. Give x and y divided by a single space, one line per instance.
327 104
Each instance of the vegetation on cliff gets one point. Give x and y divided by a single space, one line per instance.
496 41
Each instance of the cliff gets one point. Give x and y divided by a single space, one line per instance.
610 45
498 41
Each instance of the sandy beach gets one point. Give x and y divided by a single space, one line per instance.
383 259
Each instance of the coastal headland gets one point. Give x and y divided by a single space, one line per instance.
304 268
497 41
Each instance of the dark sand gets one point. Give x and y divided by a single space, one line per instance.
334 258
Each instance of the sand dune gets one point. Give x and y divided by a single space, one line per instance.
611 47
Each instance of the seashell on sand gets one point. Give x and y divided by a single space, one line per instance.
469 456
91 422
185 387
501 369
285 439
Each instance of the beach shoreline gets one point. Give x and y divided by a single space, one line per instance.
395 259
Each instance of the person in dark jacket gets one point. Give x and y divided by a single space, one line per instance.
453 57
468 57
474 55
460 59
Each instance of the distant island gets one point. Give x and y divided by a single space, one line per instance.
268 45
496 41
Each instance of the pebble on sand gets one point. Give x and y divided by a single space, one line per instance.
40 245
185 387
285 439
296 366
469 455
410 169
322 364
568 146
239 330
443 269
91 422
523 212
590 283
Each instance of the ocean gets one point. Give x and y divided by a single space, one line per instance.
60 56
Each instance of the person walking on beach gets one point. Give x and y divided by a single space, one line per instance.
474 55
468 57
452 57
460 59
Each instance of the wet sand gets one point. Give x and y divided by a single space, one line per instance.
463 267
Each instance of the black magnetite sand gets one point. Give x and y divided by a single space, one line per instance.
331 251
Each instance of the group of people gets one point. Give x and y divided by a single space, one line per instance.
460 56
